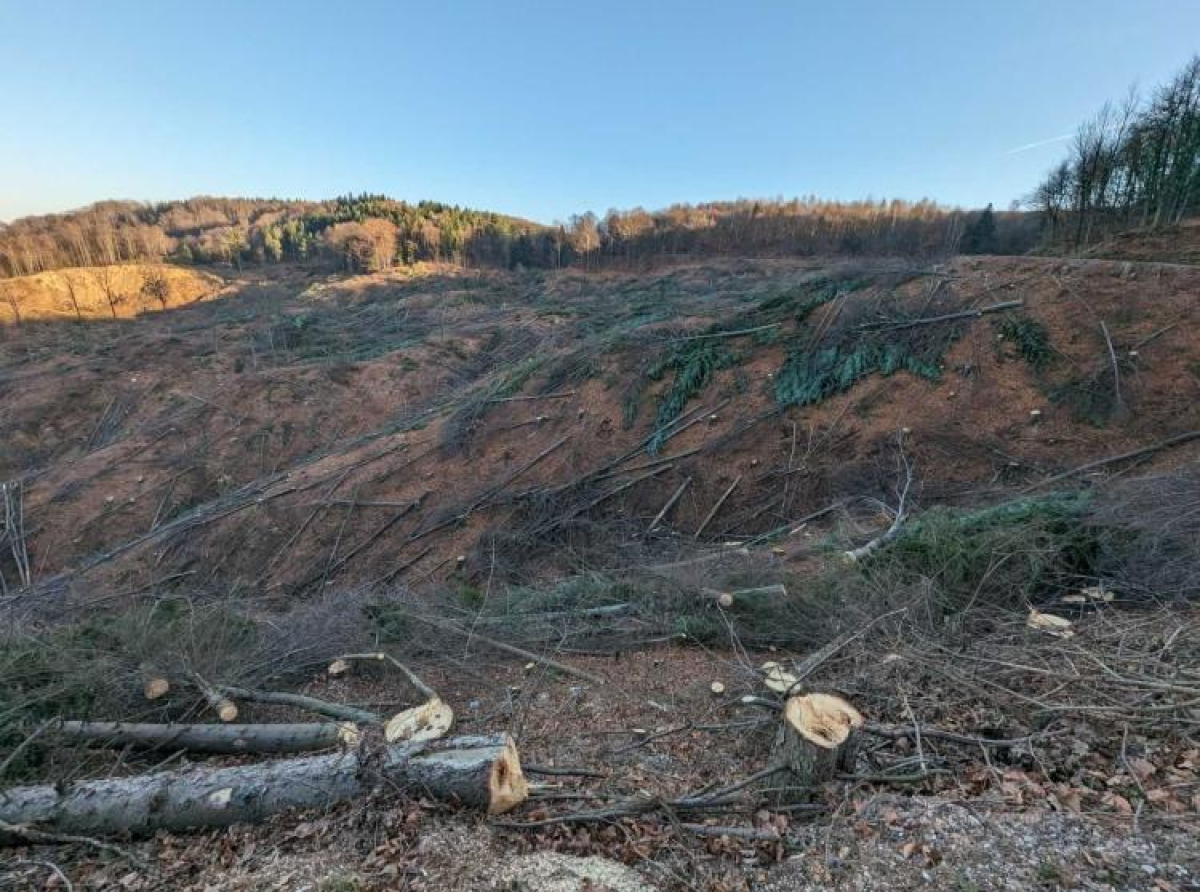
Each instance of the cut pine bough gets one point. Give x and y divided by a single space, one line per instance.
477 772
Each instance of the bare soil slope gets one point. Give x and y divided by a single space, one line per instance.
261 441
103 292
418 446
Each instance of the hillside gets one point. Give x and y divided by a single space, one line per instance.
302 464
104 292
462 378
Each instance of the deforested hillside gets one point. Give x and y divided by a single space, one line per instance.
213 425
595 483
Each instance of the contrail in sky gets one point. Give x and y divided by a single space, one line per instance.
1039 144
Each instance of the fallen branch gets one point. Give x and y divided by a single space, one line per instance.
728 334
948 317
18 833
380 657
717 506
537 396
309 704
478 772
900 731
752 834
1119 402
855 555
554 771
666 509
512 649
1160 446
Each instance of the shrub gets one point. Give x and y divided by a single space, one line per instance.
1030 338
1006 556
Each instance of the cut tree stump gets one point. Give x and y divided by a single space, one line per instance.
478 772
816 740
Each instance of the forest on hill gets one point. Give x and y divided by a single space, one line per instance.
368 233
1135 164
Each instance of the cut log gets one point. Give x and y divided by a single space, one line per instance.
295 738
155 684
816 740
728 599
225 708
478 772
724 600
309 704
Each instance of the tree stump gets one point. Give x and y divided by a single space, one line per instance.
815 741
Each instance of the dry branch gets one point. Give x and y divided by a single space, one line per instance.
309 704
948 317
540 659
666 509
1118 401
864 551
1160 446
717 507
380 657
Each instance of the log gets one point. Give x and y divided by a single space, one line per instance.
728 599
816 740
225 708
227 739
478 772
155 683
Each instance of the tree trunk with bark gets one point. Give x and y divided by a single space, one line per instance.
816 740
226 739
478 772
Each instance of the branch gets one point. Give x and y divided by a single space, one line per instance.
948 317
1169 443
855 555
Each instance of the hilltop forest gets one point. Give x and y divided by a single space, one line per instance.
371 233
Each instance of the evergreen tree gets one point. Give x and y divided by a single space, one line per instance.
980 237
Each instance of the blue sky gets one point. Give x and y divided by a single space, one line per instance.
543 109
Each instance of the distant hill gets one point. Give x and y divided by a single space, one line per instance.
368 233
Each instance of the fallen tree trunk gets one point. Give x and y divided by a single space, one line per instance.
479 772
226 739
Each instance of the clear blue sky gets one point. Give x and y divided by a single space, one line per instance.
543 109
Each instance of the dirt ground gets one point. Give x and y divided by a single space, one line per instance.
295 439
149 449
